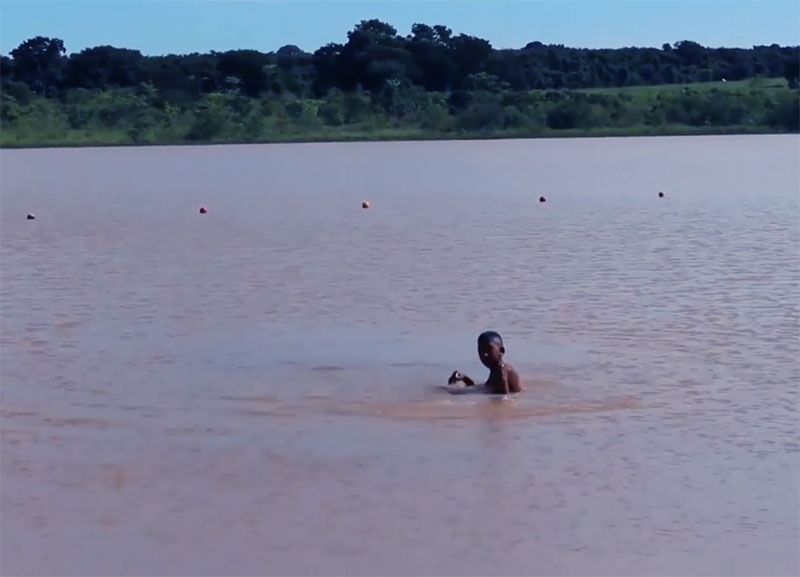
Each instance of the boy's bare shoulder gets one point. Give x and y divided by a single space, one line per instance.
512 378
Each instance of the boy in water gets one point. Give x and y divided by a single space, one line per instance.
503 379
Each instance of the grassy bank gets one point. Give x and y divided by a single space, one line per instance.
143 116
11 141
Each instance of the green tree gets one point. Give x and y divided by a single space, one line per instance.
248 66
330 111
355 107
373 54
104 67
38 62
210 119
432 66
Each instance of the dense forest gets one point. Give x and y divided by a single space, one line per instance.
430 83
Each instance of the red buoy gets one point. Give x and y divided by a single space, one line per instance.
365 204
203 210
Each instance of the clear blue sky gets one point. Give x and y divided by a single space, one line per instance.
182 26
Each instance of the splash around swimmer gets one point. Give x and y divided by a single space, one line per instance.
503 378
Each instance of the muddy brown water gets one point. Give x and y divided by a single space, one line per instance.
257 390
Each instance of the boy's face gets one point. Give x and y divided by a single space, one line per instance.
490 353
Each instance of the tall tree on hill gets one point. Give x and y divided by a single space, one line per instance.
326 67
38 62
469 55
374 53
103 67
432 63
248 67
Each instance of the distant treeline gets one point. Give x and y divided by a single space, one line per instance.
431 80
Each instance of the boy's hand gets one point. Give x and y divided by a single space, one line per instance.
455 377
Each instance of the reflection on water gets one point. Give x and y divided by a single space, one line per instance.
259 390
486 407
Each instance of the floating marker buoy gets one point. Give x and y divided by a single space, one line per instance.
660 195
31 216
203 210
542 199
365 204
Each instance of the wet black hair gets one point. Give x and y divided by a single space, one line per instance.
490 337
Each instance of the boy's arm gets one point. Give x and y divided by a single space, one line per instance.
456 376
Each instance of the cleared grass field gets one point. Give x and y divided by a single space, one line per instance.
738 86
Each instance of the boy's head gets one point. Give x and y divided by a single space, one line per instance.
490 348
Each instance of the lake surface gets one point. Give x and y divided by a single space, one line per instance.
258 390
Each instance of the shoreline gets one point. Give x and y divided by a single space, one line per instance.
405 135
